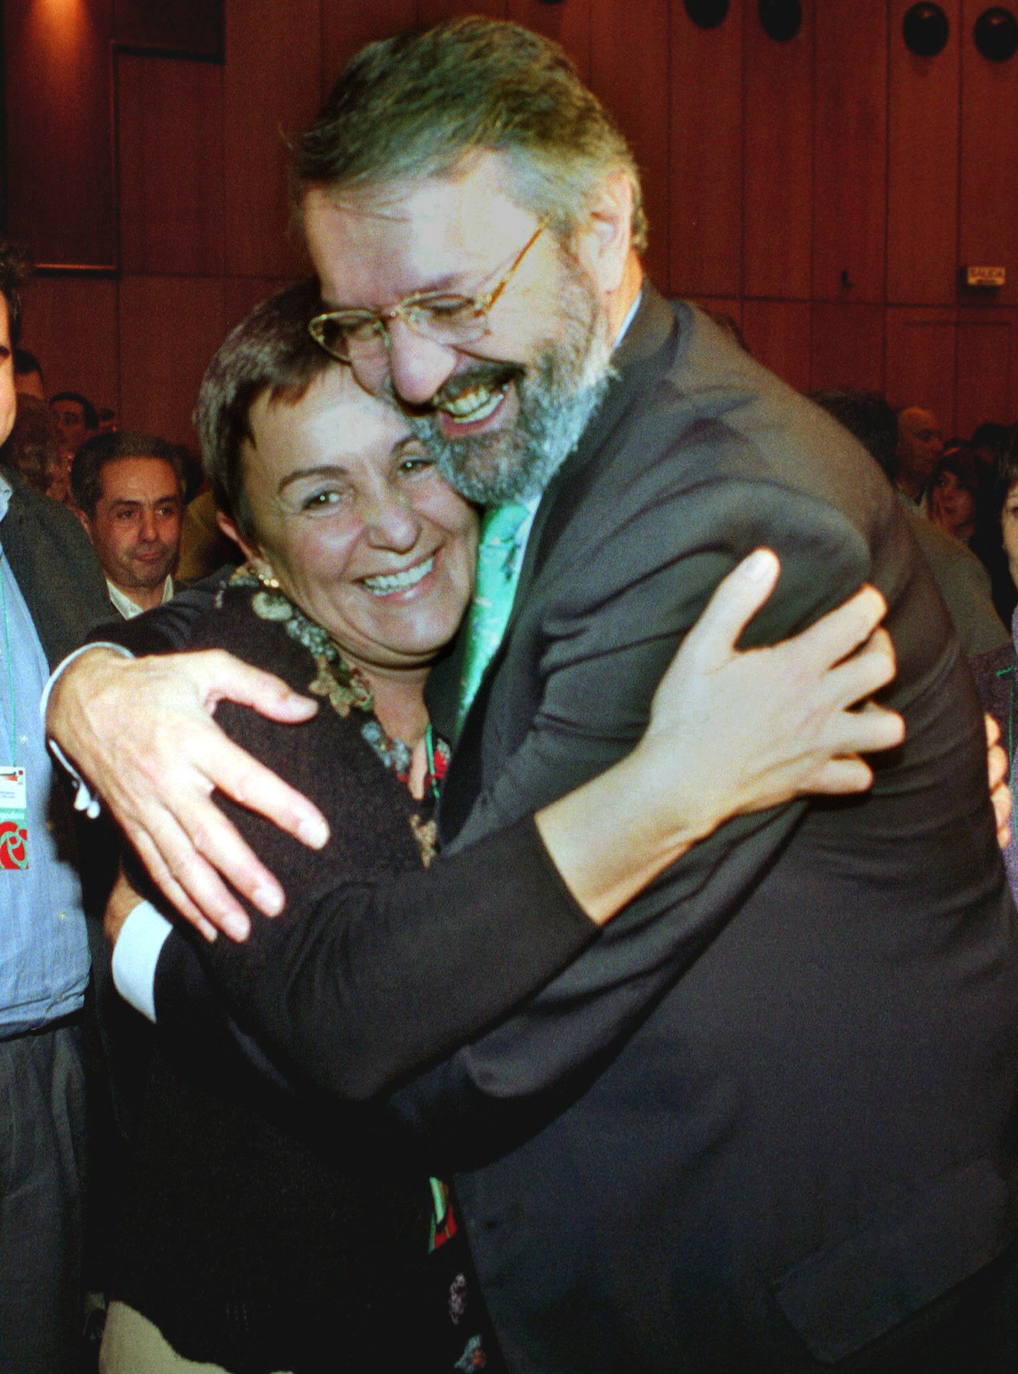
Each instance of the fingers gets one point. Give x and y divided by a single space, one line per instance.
184 838
217 675
734 603
1000 792
233 771
867 730
864 672
840 777
1000 796
839 633
992 730
229 914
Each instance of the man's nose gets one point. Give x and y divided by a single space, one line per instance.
149 527
417 367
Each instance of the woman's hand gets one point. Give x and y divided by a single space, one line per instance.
746 730
731 731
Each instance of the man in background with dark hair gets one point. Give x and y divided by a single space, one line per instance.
76 418
128 489
51 593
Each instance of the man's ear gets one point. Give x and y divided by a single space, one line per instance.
86 523
603 239
250 551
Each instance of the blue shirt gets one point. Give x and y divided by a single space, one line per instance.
44 960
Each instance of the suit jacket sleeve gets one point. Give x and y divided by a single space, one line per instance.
376 968
165 629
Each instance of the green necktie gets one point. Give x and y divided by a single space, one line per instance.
498 567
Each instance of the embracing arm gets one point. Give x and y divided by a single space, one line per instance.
360 983
604 641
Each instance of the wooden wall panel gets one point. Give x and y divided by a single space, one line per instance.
190 27
988 222
60 185
242 294
705 181
722 305
71 323
921 361
568 23
850 151
922 223
778 182
271 90
778 335
434 11
848 346
987 368
629 71
170 140
160 367
347 27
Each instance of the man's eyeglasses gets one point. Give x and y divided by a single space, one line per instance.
355 336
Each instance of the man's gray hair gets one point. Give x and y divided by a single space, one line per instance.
416 105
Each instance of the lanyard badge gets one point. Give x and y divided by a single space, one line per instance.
13 817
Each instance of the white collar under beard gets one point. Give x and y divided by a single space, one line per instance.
557 398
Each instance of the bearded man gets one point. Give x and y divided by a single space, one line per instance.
773 1131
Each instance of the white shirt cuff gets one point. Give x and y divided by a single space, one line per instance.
136 954
84 798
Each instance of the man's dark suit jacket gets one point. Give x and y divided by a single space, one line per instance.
782 1086
766 1122
57 572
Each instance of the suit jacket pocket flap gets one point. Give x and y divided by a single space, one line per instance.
847 1294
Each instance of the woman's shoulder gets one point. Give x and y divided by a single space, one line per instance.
238 622
329 757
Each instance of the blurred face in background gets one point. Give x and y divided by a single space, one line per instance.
920 444
953 505
1009 530
71 427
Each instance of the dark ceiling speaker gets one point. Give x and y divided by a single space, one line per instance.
780 19
925 28
707 14
996 34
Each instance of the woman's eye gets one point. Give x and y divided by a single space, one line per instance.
321 500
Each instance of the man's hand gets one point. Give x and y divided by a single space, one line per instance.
1000 793
749 730
140 731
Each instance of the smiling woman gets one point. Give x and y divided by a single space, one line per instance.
359 568
349 515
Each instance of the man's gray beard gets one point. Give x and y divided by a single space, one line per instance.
557 398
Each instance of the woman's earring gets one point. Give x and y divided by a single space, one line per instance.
266 578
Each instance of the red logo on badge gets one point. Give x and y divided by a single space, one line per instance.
12 845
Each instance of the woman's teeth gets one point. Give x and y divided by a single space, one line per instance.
384 583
